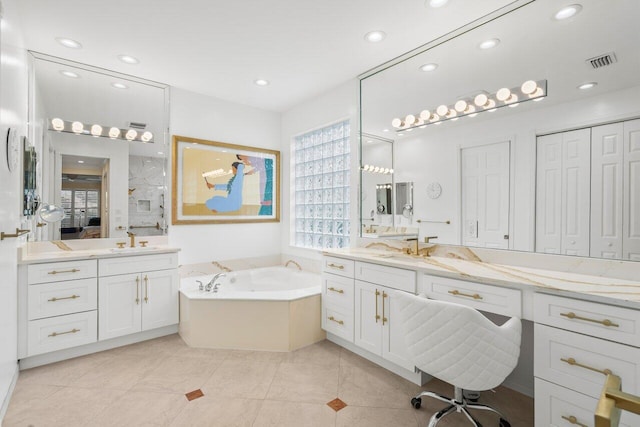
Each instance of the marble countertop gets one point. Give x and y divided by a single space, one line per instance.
465 265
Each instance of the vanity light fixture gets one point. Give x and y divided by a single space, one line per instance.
588 85
567 12
376 169
375 36
428 67
530 90
128 59
489 44
59 125
69 74
70 43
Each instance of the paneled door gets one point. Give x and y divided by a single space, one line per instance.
485 195
549 194
631 213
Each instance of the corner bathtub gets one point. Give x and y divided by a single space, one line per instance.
271 308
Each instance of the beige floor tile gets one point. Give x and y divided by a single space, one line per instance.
242 379
218 412
203 353
65 372
178 375
258 356
141 409
322 353
297 414
354 416
120 373
158 347
297 382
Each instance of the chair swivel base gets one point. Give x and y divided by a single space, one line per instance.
458 404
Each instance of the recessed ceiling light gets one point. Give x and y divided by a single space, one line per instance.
161 153
400 134
489 44
261 82
127 59
588 85
428 67
120 85
70 74
567 12
375 36
80 161
71 44
436 3
385 130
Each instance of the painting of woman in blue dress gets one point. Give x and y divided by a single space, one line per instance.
233 200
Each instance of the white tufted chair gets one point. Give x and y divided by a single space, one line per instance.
459 345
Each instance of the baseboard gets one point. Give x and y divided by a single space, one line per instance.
520 388
7 398
83 350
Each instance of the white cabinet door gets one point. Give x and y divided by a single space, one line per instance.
159 290
368 317
606 191
119 305
485 195
548 194
394 348
631 213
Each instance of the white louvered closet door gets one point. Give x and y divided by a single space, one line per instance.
548 194
606 191
631 212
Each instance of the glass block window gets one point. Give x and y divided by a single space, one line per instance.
320 179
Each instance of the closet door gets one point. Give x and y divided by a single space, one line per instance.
548 194
606 191
631 212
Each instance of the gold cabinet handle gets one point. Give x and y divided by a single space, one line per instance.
338 266
137 290
73 331
573 420
54 299
377 315
333 319
571 361
605 322
73 270
460 294
146 289
384 295
18 233
340 291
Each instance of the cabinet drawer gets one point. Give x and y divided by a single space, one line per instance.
391 277
553 402
61 271
337 290
600 320
137 264
338 321
57 333
573 361
54 299
493 299
334 265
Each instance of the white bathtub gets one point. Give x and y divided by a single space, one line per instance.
271 308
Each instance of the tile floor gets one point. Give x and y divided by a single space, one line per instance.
144 384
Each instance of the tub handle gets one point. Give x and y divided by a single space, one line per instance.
146 289
333 319
137 290
340 291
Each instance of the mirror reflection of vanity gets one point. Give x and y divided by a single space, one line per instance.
108 183
516 177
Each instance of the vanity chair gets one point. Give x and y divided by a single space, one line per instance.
459 345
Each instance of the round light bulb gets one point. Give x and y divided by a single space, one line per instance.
442 110
425 115
390 170
114 133
376 169
538 92
396 123
529 87
131 134
481 100
460 105
451 113
386 170
513 98
77 127
503 94
409 120
57 124
434 118
146 136
96 130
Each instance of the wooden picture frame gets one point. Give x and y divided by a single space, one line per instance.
216 182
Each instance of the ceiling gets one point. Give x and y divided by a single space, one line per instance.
219 48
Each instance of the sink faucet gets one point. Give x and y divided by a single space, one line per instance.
427 238
415 250
132 237
213 284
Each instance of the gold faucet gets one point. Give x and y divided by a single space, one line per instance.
294 263
415 250
132 237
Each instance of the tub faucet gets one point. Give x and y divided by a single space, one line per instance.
294 263
200 285
213 284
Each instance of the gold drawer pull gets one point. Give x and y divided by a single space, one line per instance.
73 270
146 289
377 315
458 293
384 319
333 319
605 322
338 266
137 290
571 361
340 291
54 299
573 420
73 331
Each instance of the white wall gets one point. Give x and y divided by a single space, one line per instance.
338 104
208 118
13 113
432 155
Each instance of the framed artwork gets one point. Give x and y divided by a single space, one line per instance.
216 182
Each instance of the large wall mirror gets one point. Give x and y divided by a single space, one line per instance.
102 139
555 167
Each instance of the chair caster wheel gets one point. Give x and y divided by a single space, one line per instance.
504 423
416 402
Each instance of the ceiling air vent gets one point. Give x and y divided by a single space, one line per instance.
137 125
602 60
